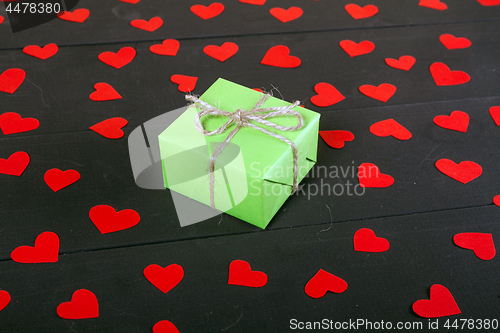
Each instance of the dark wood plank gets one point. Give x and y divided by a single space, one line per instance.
381 286
110 21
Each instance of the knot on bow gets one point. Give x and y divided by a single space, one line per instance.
241 118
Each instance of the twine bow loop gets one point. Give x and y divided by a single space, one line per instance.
241 118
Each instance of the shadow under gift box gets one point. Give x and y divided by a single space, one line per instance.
253 185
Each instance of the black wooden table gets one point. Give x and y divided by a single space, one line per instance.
423 258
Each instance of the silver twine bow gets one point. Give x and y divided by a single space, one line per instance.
241 118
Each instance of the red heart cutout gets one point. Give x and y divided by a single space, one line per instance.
11 122
451 42
464 171
443 76
254 2
495 114
369 175
107 219
327 95
4 299
456 121
489 2
355 49
208 12
480 243
83 305
46 249
57 179
186 83
41 52
131 1
110 128
322 282
221 53
434 4
164 278
279 56
11 79
1 19
440 304
78 15
365 240
104 92
151 25
118 59
286 15
404 63
496 200
165 326
381 93
358 12
168 47
336 139
240 274
15 164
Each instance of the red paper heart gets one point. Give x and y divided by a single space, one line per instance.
240 274
151 25
57 179
495 114
164 278
440 304
78 15
404 63
322 282
279 56
464 171
186 83
443 76
208 12
118 59
489 2
11 122
15 164
1 19
11 79
110 128
355 49
365 240
336 139
496 200
83 305
327 95
434 4
451 42
358 12
480 243
107 219
456 121
221 53
254 2
165 326
4 299
286 15
131 1
381 93
46 249
104 92
168 47
369 175
41 52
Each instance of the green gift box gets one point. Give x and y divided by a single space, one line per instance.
254 172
